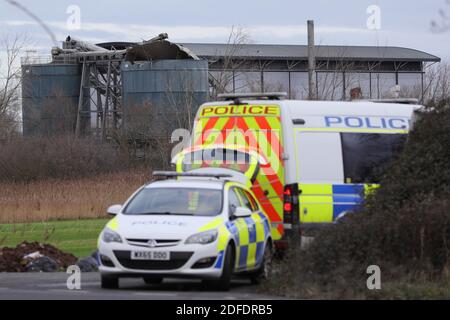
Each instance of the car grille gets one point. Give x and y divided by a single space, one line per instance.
158 242
177 260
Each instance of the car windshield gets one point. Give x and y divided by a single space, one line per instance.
176 201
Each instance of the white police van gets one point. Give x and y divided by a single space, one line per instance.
321 158
203 224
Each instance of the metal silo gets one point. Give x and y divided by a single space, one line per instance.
50 94
173 89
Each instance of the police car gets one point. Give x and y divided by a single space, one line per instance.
203 224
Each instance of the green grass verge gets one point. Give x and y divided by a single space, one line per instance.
78 237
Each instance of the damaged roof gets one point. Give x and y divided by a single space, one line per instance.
156 50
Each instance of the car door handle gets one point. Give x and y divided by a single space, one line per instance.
305 211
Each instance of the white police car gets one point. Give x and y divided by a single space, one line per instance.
198 225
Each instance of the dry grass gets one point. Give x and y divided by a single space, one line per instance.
58 199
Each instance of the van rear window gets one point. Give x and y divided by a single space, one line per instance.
217 158
366 155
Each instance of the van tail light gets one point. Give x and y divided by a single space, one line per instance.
288 207
290 204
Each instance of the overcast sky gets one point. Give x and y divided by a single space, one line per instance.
340 22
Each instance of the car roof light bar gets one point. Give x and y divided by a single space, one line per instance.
254 95
170 174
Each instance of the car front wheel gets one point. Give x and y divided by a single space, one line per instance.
223 283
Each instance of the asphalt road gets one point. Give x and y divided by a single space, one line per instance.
47 286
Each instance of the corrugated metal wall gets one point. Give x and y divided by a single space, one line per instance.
50 98
169 87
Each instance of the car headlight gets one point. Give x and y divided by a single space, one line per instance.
111 236
203 237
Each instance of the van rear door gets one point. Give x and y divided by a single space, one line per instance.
319 165
255 127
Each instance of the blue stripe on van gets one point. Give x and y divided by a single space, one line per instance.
348 189
340 208
347 198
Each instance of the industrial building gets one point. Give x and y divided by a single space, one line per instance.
338 69
94 89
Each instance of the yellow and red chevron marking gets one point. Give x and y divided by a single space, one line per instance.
262 132
268 178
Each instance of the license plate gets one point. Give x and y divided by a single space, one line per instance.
150 255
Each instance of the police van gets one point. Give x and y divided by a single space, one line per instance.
308 162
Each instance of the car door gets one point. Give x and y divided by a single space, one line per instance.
262 226
238 229
253 227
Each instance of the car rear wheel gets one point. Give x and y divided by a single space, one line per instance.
149 280
109 282
265 271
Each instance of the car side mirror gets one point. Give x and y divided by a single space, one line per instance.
242 212
114 210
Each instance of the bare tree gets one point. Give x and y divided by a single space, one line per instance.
182 103
442 24
57 115
10 82
231 63
437 84
145 136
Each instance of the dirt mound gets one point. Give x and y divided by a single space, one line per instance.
12 259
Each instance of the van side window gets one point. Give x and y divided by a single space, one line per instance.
366 155
233 201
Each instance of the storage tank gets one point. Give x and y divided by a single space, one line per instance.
50 95
173 90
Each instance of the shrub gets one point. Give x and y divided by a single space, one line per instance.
58 157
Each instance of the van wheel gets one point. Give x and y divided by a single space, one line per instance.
223 284
265 271
109 282
149 280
